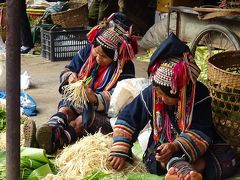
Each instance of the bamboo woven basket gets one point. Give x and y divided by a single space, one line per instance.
224 69
226 113
224 87
75 16
230 4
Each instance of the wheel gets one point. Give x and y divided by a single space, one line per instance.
216 38
211 40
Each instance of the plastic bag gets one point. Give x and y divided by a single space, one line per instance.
143 138
27 103
2 74
157 33
125 91
25 81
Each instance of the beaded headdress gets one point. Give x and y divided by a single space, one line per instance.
110 40
119 26
173 73
173 69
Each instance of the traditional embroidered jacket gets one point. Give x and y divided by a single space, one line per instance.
103 96
193 143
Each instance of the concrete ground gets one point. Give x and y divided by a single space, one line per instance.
45 81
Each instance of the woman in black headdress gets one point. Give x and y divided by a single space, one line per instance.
179 110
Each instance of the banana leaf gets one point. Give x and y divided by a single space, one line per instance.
96 175
35 154
144 176
25 172
137 150
30 163
99 175
34 164
40 172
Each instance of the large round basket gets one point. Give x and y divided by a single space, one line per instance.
75 16
226 113
230 4
224 69
225 93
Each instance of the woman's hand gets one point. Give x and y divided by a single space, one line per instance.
92 98
165 152
72 78
117 162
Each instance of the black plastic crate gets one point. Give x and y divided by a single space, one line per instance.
62 44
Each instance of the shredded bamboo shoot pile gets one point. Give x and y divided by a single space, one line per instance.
88 154
3 139
75 94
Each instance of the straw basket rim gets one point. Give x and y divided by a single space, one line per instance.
72 9
227 72
78 14
217 65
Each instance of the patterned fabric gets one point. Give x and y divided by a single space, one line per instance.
181 164
104 88
163 75
103 101
122 138
176 77
165 72
100 123
109 39
193 143
137 114
58 119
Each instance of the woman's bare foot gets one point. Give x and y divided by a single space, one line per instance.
173 174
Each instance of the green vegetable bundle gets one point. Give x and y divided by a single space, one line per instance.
2 119
34 164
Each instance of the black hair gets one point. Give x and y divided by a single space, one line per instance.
108 52
166 90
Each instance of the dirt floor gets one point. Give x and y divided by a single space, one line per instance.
45 81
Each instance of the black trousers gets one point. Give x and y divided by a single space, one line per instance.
26 35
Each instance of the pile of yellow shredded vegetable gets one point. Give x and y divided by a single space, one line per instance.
75 94
90 154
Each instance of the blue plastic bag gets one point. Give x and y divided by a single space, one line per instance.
27 103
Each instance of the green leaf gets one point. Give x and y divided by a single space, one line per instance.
96 175
35 154
137 150
144 176
40 172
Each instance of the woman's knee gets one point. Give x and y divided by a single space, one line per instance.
199 165
68 112
77 124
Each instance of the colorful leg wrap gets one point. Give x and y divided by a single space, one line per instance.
56 133
58 119
181 164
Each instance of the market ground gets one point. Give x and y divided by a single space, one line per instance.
45 81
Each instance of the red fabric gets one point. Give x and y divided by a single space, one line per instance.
93 33
99 76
